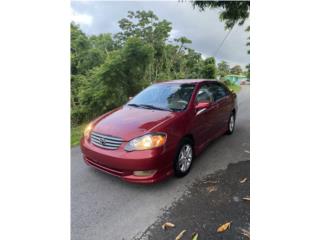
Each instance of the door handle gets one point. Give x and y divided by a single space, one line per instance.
201 111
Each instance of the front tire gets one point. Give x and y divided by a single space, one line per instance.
184 158
231 123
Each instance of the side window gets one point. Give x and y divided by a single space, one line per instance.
219 91
204 94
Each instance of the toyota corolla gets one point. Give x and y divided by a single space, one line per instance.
160 131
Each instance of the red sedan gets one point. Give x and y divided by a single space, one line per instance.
159 132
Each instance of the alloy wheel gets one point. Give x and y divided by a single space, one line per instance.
185 158
231 123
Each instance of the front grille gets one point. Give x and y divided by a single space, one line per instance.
105 141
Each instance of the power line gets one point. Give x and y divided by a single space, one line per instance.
228 33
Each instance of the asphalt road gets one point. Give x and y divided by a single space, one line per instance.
207 204
104 207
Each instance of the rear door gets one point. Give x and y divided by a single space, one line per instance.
205 120
224 102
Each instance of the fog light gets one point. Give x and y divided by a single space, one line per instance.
144 173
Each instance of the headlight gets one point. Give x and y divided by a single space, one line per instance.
147 141
87 130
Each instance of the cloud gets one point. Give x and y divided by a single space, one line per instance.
81 18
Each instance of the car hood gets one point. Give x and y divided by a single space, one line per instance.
130 122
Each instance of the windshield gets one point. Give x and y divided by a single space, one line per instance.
172 97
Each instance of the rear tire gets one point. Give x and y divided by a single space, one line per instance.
231 123
184 158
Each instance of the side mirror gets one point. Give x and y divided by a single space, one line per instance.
201 107
130 98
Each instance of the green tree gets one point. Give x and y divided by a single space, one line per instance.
103 43
209 68
147 26
223 68
236 70
248 43
79 46
193 64
86 54
120 76
179 60
248 71
182 41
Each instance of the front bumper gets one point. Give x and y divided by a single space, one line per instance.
122 164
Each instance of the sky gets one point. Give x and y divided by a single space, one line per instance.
204 28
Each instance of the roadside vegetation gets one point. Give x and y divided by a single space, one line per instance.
234 87
76 133
107 69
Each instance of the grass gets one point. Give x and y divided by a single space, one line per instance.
76 134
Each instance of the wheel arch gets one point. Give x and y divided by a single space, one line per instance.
234 112
189 137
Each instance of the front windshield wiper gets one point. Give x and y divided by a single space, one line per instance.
176 109
154 107
133 105
147 106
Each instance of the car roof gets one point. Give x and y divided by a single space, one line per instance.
181 81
